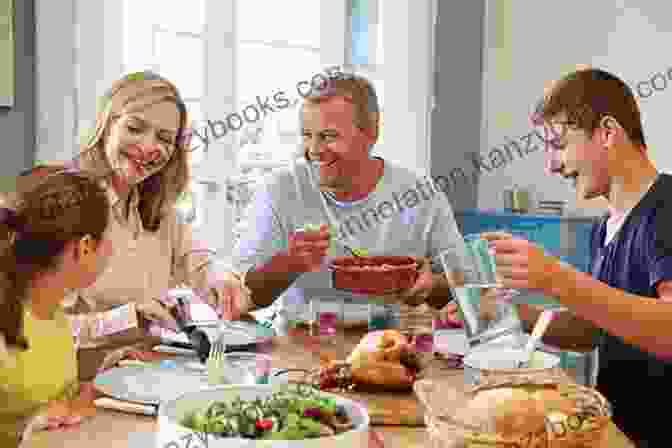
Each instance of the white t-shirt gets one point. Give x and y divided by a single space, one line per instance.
616 220
404 215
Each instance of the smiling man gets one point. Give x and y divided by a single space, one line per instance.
336 182
602 149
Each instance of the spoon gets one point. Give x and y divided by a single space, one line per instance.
539 329
354 252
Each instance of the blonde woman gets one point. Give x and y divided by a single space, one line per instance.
141 146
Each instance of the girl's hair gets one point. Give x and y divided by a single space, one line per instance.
50 208
160 192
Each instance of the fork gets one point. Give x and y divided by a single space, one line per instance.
215 362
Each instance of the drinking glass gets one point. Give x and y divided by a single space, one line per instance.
326 314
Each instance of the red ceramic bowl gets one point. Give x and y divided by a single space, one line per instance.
375 275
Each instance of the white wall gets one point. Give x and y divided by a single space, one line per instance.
54 80
407 71
529 43
78 55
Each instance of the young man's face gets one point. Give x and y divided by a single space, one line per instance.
331 138
583 159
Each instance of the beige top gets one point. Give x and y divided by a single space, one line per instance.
143 266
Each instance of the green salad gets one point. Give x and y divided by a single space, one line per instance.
285 415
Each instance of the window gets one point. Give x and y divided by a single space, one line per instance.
365 47
275 51
229 57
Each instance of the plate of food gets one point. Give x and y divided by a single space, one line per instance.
263 416
373 275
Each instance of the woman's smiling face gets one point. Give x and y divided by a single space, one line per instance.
142 139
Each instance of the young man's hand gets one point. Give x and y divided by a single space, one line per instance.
522 264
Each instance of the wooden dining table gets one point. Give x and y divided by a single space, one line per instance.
299 350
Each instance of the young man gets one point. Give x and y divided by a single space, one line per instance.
602 149
364 201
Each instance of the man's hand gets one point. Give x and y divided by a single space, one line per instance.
307 248
520 263
423 287
488 307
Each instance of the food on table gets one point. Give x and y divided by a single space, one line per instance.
376 346
374 274
509 410
285 415
515 410
383 359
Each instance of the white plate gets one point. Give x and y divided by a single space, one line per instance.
239 333
148 385
155 384
452 342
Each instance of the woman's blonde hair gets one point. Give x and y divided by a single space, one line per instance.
160 192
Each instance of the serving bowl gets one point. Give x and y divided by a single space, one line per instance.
171 434
499 360
382 274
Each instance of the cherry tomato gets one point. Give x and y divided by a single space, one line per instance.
264 424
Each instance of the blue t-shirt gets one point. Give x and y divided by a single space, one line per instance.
636 260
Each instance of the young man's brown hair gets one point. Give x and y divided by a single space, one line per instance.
586 96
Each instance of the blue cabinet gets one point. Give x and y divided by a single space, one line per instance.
567 238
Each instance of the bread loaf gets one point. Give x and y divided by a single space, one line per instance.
509 411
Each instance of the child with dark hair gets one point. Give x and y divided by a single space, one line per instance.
53 238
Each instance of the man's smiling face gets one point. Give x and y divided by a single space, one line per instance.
333 141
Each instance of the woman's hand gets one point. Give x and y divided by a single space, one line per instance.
230 298
155 311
